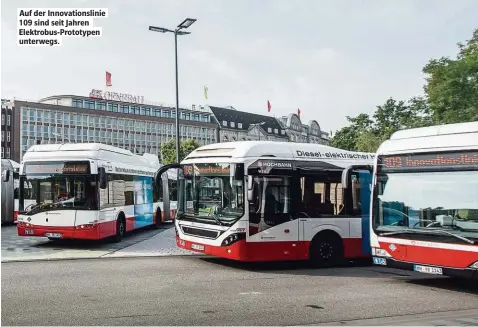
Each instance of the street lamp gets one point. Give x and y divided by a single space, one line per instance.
178 31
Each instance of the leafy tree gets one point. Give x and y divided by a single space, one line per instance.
168 150
452 84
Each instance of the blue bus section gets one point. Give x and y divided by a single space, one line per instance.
365 179
143 201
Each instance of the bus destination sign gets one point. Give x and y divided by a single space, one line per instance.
462 159
206 169
57 168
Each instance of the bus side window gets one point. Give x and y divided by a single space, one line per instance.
321 194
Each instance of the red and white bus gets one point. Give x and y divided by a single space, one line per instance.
274 201
425 201
89 191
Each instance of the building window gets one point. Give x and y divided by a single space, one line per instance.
9 120
224 123
3 119
233 124
239 125
2 152
8 136
3 136
8 153
269 130
276 131
77 103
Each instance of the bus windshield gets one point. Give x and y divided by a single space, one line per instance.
414 202
49 186
211 192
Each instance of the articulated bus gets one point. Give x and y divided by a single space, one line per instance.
425 201
274 201
10 184
89 191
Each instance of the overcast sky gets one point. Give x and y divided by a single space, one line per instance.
328 58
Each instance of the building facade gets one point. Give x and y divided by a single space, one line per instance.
137 127
7 129
237 125
304 133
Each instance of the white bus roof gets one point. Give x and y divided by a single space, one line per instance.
240 150
93 151
448 137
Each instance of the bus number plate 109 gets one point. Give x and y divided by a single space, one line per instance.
197 247
428 270
29 232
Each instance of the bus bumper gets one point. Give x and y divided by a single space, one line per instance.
87 232
233 252
463 273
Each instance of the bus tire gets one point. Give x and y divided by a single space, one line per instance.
158 223
120 227
326 249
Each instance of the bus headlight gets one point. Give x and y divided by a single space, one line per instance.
380 252
233 238
474 266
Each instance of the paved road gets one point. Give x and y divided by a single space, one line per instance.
20 248
204 291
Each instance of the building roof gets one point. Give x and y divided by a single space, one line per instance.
246 119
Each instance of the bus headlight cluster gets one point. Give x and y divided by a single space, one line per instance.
474 266
233 238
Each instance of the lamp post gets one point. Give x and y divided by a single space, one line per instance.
178 31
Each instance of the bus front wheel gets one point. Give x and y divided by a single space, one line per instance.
326 249
158 221
120 228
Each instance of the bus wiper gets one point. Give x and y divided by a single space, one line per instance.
429 231
216 218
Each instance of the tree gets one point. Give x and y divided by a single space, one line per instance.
452 84
366 134
168 150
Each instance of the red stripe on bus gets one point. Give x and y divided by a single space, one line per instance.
431 256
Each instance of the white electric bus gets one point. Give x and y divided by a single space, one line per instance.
89 191
266 201
425 201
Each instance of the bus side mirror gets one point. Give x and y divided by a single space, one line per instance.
346 172
102 177
250 191
6 175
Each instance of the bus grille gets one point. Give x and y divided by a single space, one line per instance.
212 234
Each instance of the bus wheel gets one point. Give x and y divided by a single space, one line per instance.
158 222
120 228
326 249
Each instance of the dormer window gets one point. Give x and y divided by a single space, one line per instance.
239 125
233 124
269 130
283 132
224 123
276 131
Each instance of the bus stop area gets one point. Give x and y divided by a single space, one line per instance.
144 242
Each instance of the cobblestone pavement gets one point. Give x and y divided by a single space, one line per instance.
20 248
163 244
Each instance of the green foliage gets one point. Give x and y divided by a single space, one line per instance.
168 150
451 96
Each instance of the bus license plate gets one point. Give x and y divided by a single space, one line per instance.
197 247
29 232
428 270
53 235
379 261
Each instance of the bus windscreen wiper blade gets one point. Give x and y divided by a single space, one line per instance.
428 231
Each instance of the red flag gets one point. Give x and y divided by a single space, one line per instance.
108 79
298 112
268 106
